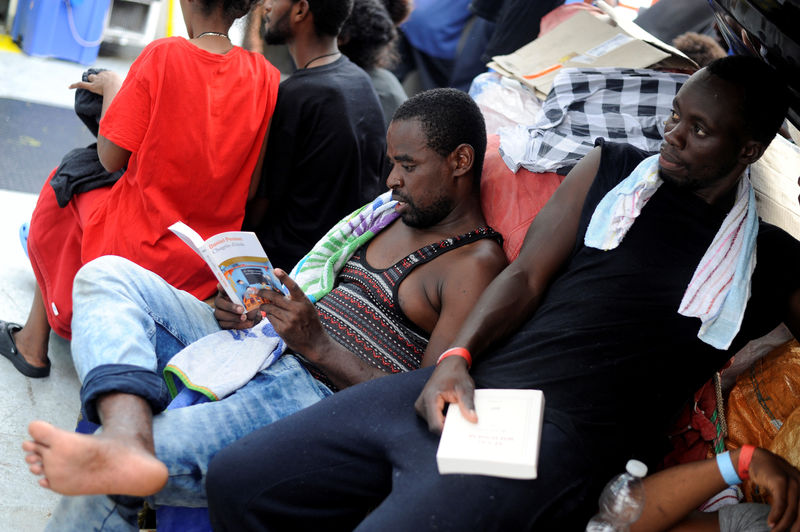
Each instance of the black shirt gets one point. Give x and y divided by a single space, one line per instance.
607 345
325 157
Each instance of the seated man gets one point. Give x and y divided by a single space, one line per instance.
591 313
398 302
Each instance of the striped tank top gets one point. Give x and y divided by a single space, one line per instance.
362 312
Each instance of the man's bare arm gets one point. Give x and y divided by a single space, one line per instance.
671 494
514 295
466 280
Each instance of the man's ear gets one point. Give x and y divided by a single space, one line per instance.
463 157
752 151
300 10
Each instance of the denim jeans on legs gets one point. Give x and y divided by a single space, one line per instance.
125 314
127 324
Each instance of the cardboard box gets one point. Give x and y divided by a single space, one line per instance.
585 40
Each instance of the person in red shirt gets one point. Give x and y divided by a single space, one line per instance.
190 122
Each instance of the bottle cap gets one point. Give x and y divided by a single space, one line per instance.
636 468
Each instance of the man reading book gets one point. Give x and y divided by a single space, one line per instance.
606 310
397 303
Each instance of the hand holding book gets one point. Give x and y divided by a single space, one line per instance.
503 443
237 260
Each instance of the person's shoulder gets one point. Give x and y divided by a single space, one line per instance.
258 61
153 57
340 72
617 161
773 237
620 150
483 255
164 46
777 261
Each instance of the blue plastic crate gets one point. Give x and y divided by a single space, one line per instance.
54 28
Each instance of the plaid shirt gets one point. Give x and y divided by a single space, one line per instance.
618 104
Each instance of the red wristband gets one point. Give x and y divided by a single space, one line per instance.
459 352
745 457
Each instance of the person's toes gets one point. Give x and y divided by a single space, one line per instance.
33 458
41 431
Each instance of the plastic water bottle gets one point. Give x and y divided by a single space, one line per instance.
622 501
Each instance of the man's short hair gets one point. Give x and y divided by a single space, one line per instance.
766 97
449 118
329 15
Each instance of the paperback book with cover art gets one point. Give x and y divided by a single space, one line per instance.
503 443
237 260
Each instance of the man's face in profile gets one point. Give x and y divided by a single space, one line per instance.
417 178
276 21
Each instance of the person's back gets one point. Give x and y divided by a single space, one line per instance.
187 125
324 158
194 137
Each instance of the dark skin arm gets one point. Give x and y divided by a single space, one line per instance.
513 296
255 179
106 84
296 320
673 493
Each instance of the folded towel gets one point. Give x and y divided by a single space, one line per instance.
221 363
720 286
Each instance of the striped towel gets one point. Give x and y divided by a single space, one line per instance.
222 362
317 271
720 287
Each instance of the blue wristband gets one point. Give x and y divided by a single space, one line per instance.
726 469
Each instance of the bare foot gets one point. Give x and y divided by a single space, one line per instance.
77 464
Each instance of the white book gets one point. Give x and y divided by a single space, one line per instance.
504 442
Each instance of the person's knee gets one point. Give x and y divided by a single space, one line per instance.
108 267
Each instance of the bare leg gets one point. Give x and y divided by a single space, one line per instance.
120 460
32 339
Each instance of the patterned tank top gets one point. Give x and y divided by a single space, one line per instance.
362 312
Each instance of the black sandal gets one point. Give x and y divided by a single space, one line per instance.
9 350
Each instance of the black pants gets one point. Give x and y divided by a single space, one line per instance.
362 459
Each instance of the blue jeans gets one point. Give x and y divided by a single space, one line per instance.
127 317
